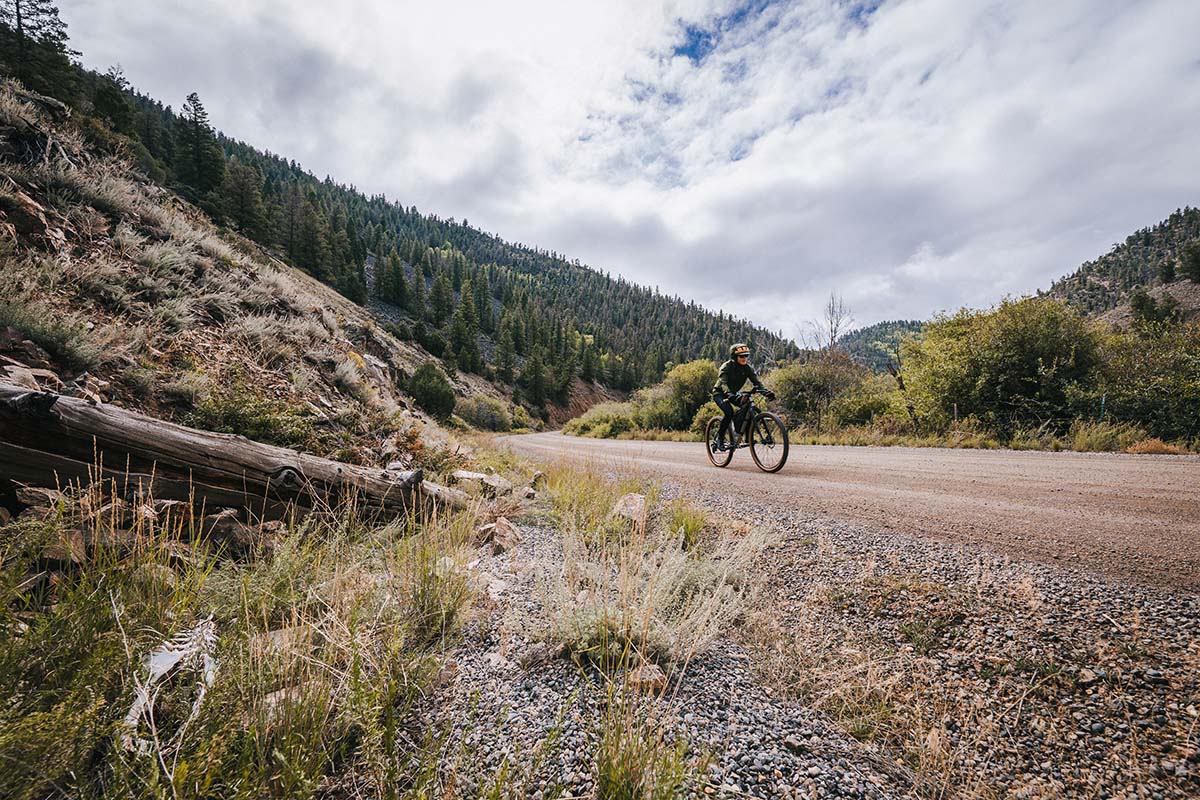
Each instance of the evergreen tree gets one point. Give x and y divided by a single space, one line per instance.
201 165
441 298
1189 266
533 379
33 47
505 355
464 333
416 298
587 364
241 198
112 105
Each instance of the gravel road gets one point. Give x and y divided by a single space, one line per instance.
1134 517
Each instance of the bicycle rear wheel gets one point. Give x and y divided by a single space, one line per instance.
769 442
719 458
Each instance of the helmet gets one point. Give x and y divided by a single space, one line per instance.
739 349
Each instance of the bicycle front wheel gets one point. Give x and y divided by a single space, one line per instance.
719 458
769 442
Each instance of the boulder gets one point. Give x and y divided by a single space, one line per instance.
631 507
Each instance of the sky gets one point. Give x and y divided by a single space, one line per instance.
911 156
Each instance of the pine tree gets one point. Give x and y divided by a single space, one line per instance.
587 364
505 355
111 104
202 164
241 198
33 45
416 298
533 379
441 299
1189 266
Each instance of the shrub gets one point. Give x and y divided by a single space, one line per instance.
703 415
239 411
1014 366
1154 447
521 418
486 413
431 391
808 390
605 421
1103 437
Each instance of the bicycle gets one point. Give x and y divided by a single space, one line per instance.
762 431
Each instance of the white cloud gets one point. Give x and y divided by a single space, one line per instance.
926 155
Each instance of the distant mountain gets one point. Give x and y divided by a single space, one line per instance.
1149 258
877 345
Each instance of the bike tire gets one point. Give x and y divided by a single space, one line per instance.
717 458
769 442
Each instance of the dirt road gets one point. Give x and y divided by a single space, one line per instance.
1135 517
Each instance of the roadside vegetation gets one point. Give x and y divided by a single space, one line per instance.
1027 374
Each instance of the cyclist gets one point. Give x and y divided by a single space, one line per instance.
730 379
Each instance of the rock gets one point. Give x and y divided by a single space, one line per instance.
795 743
466 476
397 466
5 516
1087 677
538 480
529 493
66 546
539 653
37 496
505 536
116 514
631 507
224 528
20 376
496 486
648 677
497 661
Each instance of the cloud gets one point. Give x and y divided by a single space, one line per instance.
914 155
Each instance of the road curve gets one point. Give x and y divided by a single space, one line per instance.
1136 517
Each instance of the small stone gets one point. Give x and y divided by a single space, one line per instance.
1097 728
631 507
814 771
647 678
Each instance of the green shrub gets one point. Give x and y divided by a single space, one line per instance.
1103 437
1014 366
431 391
605 421
238 410
521 419
486 413
703 415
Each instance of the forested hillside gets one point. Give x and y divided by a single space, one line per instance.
521 316
878 345
1154 256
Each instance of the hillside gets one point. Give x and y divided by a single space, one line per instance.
878 345
525 301
1151 257
126 293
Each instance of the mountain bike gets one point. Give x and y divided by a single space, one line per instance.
762 431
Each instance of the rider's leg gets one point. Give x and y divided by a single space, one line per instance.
728 411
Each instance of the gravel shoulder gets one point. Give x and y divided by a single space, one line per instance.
1131 517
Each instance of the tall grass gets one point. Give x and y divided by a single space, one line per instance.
326 644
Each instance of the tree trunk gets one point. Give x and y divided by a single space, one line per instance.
48 440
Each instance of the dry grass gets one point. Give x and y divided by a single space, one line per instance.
325 645
634 591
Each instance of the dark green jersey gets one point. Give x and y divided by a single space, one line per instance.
733 377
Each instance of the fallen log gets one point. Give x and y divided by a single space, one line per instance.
48 439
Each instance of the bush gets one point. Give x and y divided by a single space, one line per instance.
1014 366
1103 437
521 418
808 390
672 404
239 411
605 421
431 391
486 413
703 415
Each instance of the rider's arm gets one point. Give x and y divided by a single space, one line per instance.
723 379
